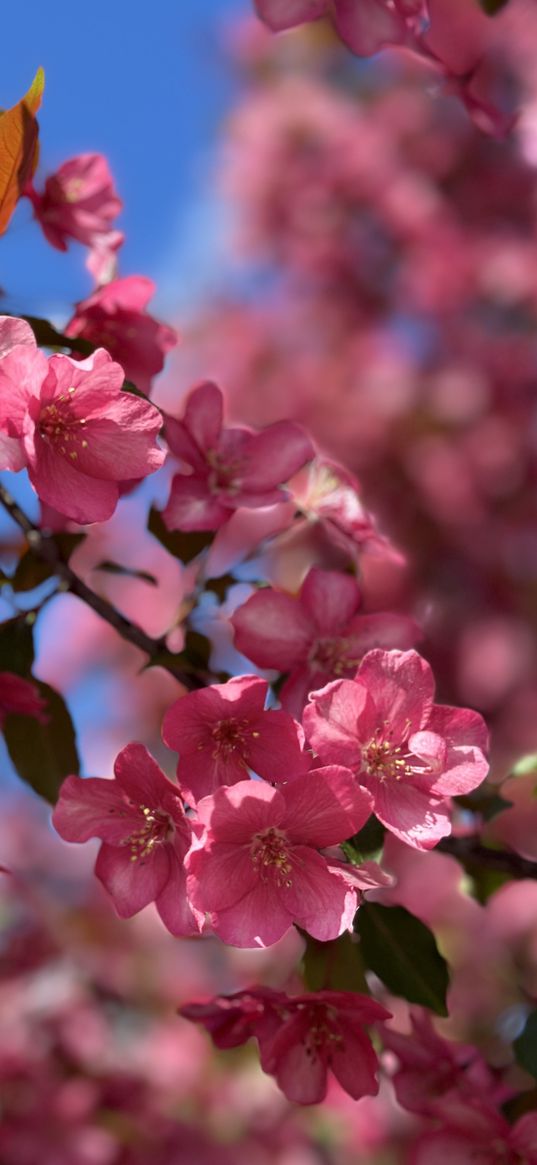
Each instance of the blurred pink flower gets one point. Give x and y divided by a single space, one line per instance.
114 318
229 467
79 201
316 635
300 1037
22 696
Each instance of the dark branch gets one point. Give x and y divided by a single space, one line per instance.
45 547
473 855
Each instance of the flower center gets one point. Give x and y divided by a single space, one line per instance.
223 475
270 853
228 736
382 759
324 1036
60 428
157 828
331 655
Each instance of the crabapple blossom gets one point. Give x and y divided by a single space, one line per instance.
114 317
316 635
229 468
473 1132
79 201
259 869
300 1037
409 753
431 1067
364 25
78 434
22 696
145 836
222 731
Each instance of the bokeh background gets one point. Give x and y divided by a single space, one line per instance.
338 242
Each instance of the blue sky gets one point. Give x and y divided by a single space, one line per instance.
146 84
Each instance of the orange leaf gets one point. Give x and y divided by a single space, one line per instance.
18 148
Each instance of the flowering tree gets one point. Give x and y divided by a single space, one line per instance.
342 862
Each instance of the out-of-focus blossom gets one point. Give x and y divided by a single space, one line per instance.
20 695
316 635
300 1037
79 201
229 468
114 317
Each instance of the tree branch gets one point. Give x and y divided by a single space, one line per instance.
45 547
470 852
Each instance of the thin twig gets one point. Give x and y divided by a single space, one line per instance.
44 546
470 852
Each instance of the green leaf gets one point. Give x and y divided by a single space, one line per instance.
402 951
32 570
334 966
43 754
366 844
17 644
181 544
47 336
128 571
525 1046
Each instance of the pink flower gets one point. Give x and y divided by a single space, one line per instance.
230 1020
78 434
260 871
19 695
474 1133
78 202
229 467
300 1038
140 819
315 635
430 1066
364 25
410 754
222 731
114 317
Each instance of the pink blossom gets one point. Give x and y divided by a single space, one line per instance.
430 1066
315 635
222 731
22 696
79 201
364 25
300 1037
78 434
260 869
474 1133
115 317
229 468
140 819
409 753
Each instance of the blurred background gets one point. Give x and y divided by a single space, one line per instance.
336 241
